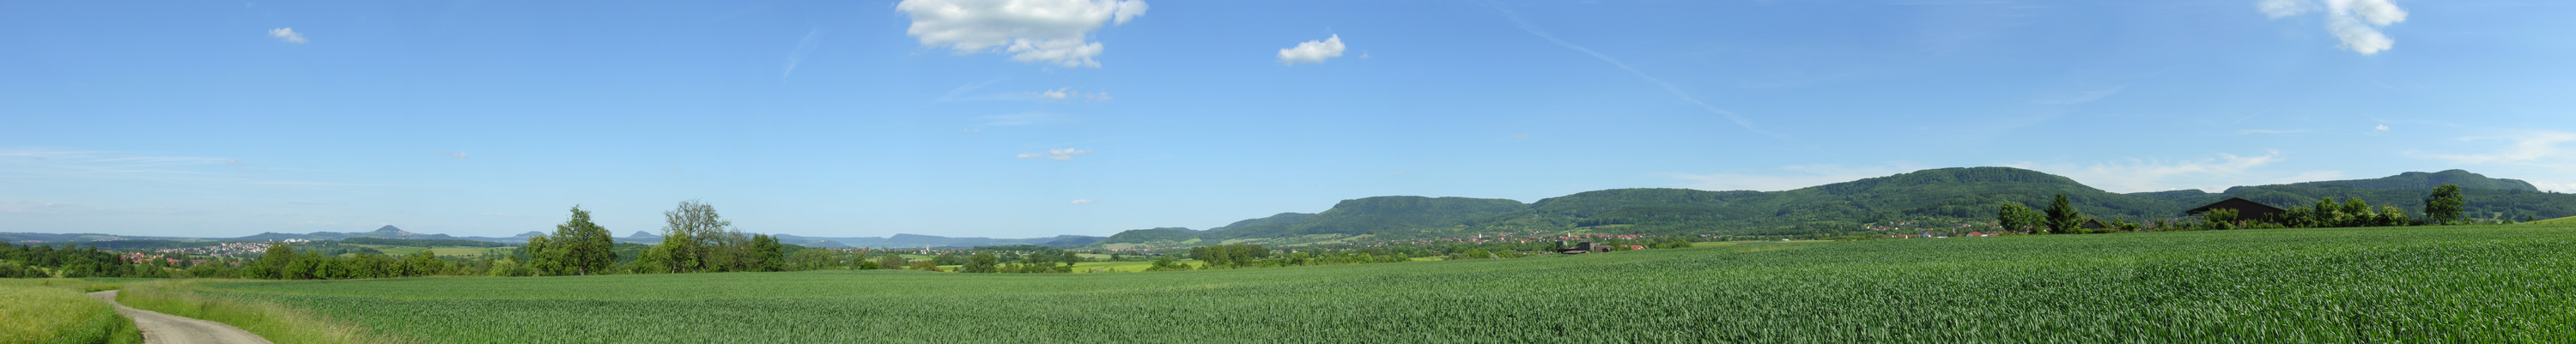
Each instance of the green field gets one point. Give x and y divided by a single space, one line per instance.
2413 284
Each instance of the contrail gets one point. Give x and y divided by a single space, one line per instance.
1668 87
803 47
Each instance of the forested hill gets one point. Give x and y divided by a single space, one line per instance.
2488 198
1936 196
1370 215
2424 181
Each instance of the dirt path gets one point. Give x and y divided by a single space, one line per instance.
171 329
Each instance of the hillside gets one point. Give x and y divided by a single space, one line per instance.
2488 198
1371 215
2426 181
1152 235
1928 197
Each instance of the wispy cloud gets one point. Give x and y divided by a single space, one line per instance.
2380 129
2526 148
1668 87
966 92
1312 51
1083 201
2082 97
803 47
1027 118
458 155
2354 22
313 183
2267 132
1056 154
287 34
1065 93
39 162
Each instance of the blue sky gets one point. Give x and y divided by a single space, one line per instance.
1036 118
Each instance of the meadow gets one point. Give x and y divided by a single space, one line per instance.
2406 284
56 311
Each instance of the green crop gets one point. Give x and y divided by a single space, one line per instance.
2411 284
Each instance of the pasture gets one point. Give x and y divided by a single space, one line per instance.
2409 284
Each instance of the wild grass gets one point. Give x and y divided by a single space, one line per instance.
57 311
2571 220
275 322
2411 284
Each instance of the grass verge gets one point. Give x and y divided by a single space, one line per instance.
277 323
56 311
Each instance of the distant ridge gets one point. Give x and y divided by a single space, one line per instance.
1933 196
1944 195
2426 181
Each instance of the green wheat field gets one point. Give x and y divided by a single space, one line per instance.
2513 283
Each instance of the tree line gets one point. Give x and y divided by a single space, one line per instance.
2443 205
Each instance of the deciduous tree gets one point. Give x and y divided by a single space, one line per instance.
2444 205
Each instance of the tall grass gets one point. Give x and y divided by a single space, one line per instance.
56 311
269 320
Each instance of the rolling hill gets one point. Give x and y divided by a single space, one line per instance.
1935 196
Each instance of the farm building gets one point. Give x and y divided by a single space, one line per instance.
2245 210
2093 224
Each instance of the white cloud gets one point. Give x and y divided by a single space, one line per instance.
458 155
1070 93
2211 174
287 34
1083 201
2354 22
1056 32
2282 8
2530 148
1056 154
2381 128
1794 177
1312 51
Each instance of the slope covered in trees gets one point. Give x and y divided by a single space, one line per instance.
2488 198
1375 214
1928 197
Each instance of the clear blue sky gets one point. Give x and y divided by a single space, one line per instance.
982 118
